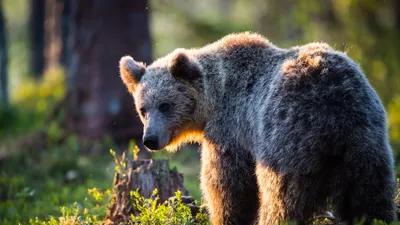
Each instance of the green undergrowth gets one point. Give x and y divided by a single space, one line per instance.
59 185
32 104
147 210
36 183
172 212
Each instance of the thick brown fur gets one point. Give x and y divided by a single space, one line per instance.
309 60
283 131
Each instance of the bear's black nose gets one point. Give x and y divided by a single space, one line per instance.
151 142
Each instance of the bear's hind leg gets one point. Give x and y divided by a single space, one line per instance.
368 193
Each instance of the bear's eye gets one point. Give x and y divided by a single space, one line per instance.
142 111
165 107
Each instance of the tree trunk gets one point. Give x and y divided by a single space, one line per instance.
65 21
3 58
397 15
36 30
144 175
102 32
52 33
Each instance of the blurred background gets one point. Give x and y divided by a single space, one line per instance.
63 105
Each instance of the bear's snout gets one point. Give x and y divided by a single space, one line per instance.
151 142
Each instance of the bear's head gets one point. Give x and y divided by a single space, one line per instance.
166 95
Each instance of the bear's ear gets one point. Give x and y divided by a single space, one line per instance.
131 72
183 67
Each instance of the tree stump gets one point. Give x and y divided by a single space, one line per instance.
144 175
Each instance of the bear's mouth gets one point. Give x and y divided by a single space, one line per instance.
159 144
151 148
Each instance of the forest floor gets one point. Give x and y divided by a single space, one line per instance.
39 179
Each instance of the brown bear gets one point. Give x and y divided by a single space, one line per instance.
283 131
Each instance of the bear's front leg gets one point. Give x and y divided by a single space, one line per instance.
229 184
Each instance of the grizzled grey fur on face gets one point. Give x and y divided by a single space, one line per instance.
283 131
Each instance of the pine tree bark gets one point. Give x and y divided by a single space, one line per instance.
101 32
36 35
65 21
397 14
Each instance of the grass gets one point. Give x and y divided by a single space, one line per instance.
56 184
172 212
37 183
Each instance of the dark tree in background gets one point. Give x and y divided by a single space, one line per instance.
36 35
3 58
102 32
65 20
398 14
52 33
